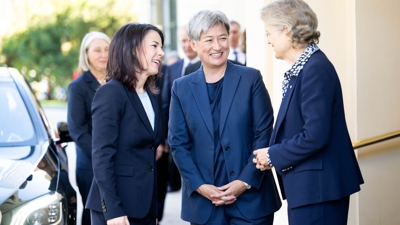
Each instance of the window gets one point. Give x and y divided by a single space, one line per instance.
15 122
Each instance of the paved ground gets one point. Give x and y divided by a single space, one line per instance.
173 200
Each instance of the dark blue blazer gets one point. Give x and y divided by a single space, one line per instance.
124 149
245 125
80 96
310 146
172 72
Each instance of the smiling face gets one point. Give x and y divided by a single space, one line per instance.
97 54
152 53
280 40
213 46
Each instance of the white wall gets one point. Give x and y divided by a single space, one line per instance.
378 106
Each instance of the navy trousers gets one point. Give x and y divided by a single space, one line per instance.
325 213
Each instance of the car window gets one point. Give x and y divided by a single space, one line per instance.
15 122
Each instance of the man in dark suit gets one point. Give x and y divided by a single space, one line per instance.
178 69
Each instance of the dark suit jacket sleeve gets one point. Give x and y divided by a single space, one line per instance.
107 109
77 121
263 119
179 140
317 99
166 97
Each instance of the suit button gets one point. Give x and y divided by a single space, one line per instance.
151 146
232 173
150 168
227 148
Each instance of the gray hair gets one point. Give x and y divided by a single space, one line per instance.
87 40
204 20
297 16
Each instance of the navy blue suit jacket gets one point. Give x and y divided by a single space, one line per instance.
172 72
80 96
124 148
245 125
310 146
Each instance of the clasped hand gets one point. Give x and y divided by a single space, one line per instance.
224 195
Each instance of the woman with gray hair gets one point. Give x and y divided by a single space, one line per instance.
93 58
310 147
218 116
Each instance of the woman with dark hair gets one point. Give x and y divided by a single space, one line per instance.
127 129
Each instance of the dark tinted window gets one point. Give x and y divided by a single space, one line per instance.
15 122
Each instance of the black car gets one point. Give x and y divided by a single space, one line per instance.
34 185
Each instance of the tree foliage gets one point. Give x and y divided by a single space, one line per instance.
51 48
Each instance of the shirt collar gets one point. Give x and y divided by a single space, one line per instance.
298 66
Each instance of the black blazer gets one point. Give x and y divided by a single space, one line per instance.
172 72
124 151
80 96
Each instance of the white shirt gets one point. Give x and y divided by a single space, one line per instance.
144 98
241 57
186 62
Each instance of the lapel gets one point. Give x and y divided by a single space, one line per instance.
283 108
199 92
91 80
137 105
180 67
231 81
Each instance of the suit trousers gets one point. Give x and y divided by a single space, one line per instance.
326 213
98 219
230 215
84 179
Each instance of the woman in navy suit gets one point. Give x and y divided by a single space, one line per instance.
93 61
310 147
218 116
127 129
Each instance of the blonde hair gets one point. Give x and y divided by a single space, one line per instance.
297 16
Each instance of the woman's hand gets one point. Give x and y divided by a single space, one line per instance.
208 191
123 220
229 193
261 159
160 151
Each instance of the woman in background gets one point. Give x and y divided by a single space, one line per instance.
93 60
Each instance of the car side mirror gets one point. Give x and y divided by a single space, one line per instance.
63 132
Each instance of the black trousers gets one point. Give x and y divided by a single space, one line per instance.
84 181
98 219
162 182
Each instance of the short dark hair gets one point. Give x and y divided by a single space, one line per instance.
234 22
124 56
